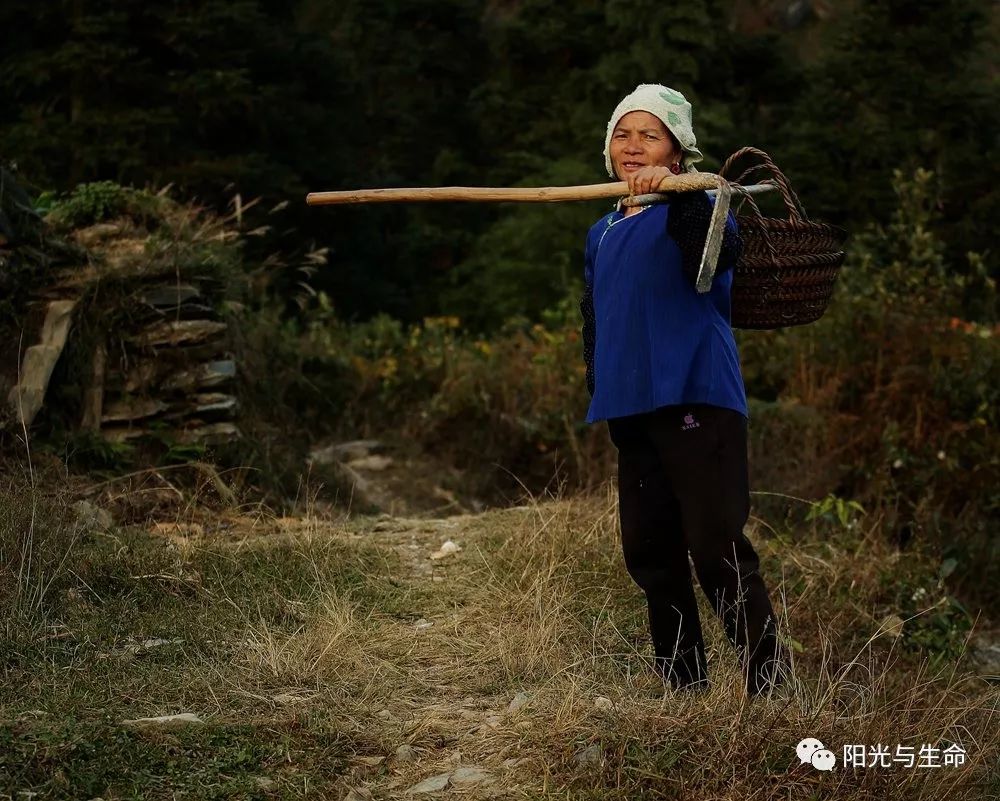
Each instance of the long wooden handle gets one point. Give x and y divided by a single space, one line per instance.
685 182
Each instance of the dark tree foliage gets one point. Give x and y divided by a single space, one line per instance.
902 83
409 67
199 94
277 99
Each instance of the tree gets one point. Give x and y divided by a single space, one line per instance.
199 94
902 85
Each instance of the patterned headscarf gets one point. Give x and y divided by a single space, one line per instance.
671 107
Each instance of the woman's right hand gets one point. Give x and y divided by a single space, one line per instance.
647 179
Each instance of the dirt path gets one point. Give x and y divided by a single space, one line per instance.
440 733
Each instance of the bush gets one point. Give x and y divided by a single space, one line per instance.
506 400
892 398
97 202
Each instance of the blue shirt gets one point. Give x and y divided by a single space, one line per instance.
658 341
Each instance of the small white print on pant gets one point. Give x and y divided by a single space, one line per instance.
689 422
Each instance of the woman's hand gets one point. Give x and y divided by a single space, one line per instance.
647 179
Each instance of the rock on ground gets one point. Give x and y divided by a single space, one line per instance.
431 785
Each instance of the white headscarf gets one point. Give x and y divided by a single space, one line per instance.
671 107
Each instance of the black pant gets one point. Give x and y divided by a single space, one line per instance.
683 485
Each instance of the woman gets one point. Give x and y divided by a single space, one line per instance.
664 371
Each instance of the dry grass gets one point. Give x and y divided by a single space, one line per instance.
310 626
538 602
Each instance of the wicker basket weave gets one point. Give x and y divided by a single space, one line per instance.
786 273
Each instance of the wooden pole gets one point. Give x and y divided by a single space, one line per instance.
685 182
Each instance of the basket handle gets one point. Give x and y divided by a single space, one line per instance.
745 197
792 202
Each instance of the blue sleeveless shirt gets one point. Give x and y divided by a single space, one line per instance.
657 340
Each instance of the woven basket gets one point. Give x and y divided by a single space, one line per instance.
787 270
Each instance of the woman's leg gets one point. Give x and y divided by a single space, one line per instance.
705 450
656 556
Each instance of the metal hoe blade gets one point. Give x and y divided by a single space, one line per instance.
713 242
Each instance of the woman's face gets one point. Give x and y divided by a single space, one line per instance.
640 139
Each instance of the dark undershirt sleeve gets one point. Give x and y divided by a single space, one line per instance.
687 224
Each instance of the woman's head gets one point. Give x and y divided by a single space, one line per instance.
640 139
653 122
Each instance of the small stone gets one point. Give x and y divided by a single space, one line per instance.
494 721
92 517
183 719
385 714
159 642
423 623
469 774
345 451
373 462
447 549
288 698
591 755
431 785
603 703
517 702
266 784
892 625
405 753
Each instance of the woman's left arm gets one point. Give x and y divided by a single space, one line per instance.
688 219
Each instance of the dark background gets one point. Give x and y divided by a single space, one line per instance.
275 99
